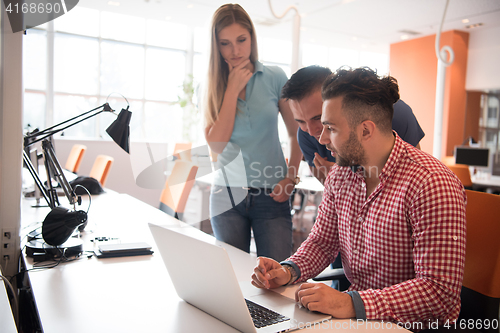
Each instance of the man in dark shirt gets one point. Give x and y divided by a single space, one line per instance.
303 91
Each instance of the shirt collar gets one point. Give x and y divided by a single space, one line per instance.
397 153
258 67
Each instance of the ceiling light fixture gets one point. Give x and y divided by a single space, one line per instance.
472 26
404 37
113 3
409 32
465 21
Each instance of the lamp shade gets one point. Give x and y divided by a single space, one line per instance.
119 130
60 223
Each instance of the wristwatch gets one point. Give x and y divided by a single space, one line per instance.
295 180
293 274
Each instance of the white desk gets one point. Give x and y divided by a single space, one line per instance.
489 183
127 294
309 186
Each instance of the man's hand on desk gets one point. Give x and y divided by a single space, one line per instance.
322 298
319 297
269 274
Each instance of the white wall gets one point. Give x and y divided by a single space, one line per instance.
483 63
11 142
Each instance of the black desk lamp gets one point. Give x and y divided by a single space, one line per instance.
60 223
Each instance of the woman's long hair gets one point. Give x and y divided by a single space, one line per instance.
218 70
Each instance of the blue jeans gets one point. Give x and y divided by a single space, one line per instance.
234 211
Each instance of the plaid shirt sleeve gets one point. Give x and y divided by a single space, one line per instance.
321 246
437 218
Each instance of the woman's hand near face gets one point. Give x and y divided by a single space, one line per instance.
219 133
238 77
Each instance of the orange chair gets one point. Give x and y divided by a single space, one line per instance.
448 160
481 283
463 173
75 158
213 155
175 194
183 150
100 169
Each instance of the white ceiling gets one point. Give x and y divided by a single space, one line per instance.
361 24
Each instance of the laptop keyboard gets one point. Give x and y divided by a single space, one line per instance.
262 316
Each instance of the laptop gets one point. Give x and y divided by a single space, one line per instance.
200 270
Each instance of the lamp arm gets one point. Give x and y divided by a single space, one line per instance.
54 199
53 164
38 181
41 135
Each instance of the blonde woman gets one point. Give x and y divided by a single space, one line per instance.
252 190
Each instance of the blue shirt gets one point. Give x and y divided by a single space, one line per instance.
254 157
403 122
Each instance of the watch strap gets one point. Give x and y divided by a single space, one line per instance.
295 180
293 274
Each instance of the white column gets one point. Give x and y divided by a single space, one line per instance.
438 110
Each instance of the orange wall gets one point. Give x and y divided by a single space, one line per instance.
414 64
472 114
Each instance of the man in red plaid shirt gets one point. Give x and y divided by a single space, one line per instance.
396 215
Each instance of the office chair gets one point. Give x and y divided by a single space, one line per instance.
175 194
183 150
481 284
213 156
336 275
75 158
100 169
463 173
448 160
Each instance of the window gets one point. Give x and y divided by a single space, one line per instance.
122 69
165 73
69 106
313 54
376 61
76 64
34 110
159 34
338 57
101 56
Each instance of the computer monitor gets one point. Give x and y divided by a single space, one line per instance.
472 156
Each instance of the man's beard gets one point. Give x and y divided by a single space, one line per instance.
351 153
